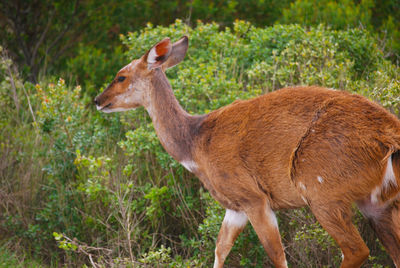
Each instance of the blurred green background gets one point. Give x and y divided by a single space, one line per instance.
82 188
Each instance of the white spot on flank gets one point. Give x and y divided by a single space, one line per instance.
320 179
236 218
189 165
302 186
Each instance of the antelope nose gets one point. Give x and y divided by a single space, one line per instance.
96 101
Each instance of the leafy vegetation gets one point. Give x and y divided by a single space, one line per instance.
79 39
79 187
8 259
379 17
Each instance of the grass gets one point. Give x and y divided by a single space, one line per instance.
10 259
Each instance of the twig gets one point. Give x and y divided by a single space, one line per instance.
189 17
29 104
13 88
85 249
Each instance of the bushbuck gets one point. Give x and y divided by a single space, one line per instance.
294 147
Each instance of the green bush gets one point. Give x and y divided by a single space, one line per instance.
9 259
341 14
92 66
381 18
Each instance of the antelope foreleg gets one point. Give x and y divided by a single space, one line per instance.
233 224
264 222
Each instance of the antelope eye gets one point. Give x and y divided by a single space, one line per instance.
121 78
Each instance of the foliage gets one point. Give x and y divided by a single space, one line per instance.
34 45
78 29
10 259
91 188
68 36
337 14
92 66
344 14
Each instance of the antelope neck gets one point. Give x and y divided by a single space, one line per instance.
174 126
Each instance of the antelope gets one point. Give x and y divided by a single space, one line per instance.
294 147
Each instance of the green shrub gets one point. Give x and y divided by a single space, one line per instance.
381 18
9 259
92 66
341 14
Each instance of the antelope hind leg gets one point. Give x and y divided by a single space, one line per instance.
335 218
386 223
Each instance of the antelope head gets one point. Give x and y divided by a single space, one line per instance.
131 86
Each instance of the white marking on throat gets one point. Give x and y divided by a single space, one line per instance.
235 218
189 165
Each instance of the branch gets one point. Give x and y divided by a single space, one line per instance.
42 36
66 29
29 104
22 45
85 249
62 50
13 88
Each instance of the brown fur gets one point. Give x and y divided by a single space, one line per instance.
294 147
295 135
268 139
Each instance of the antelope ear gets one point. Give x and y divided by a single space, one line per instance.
158 54
178 53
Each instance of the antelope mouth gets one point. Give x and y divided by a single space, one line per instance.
99 108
